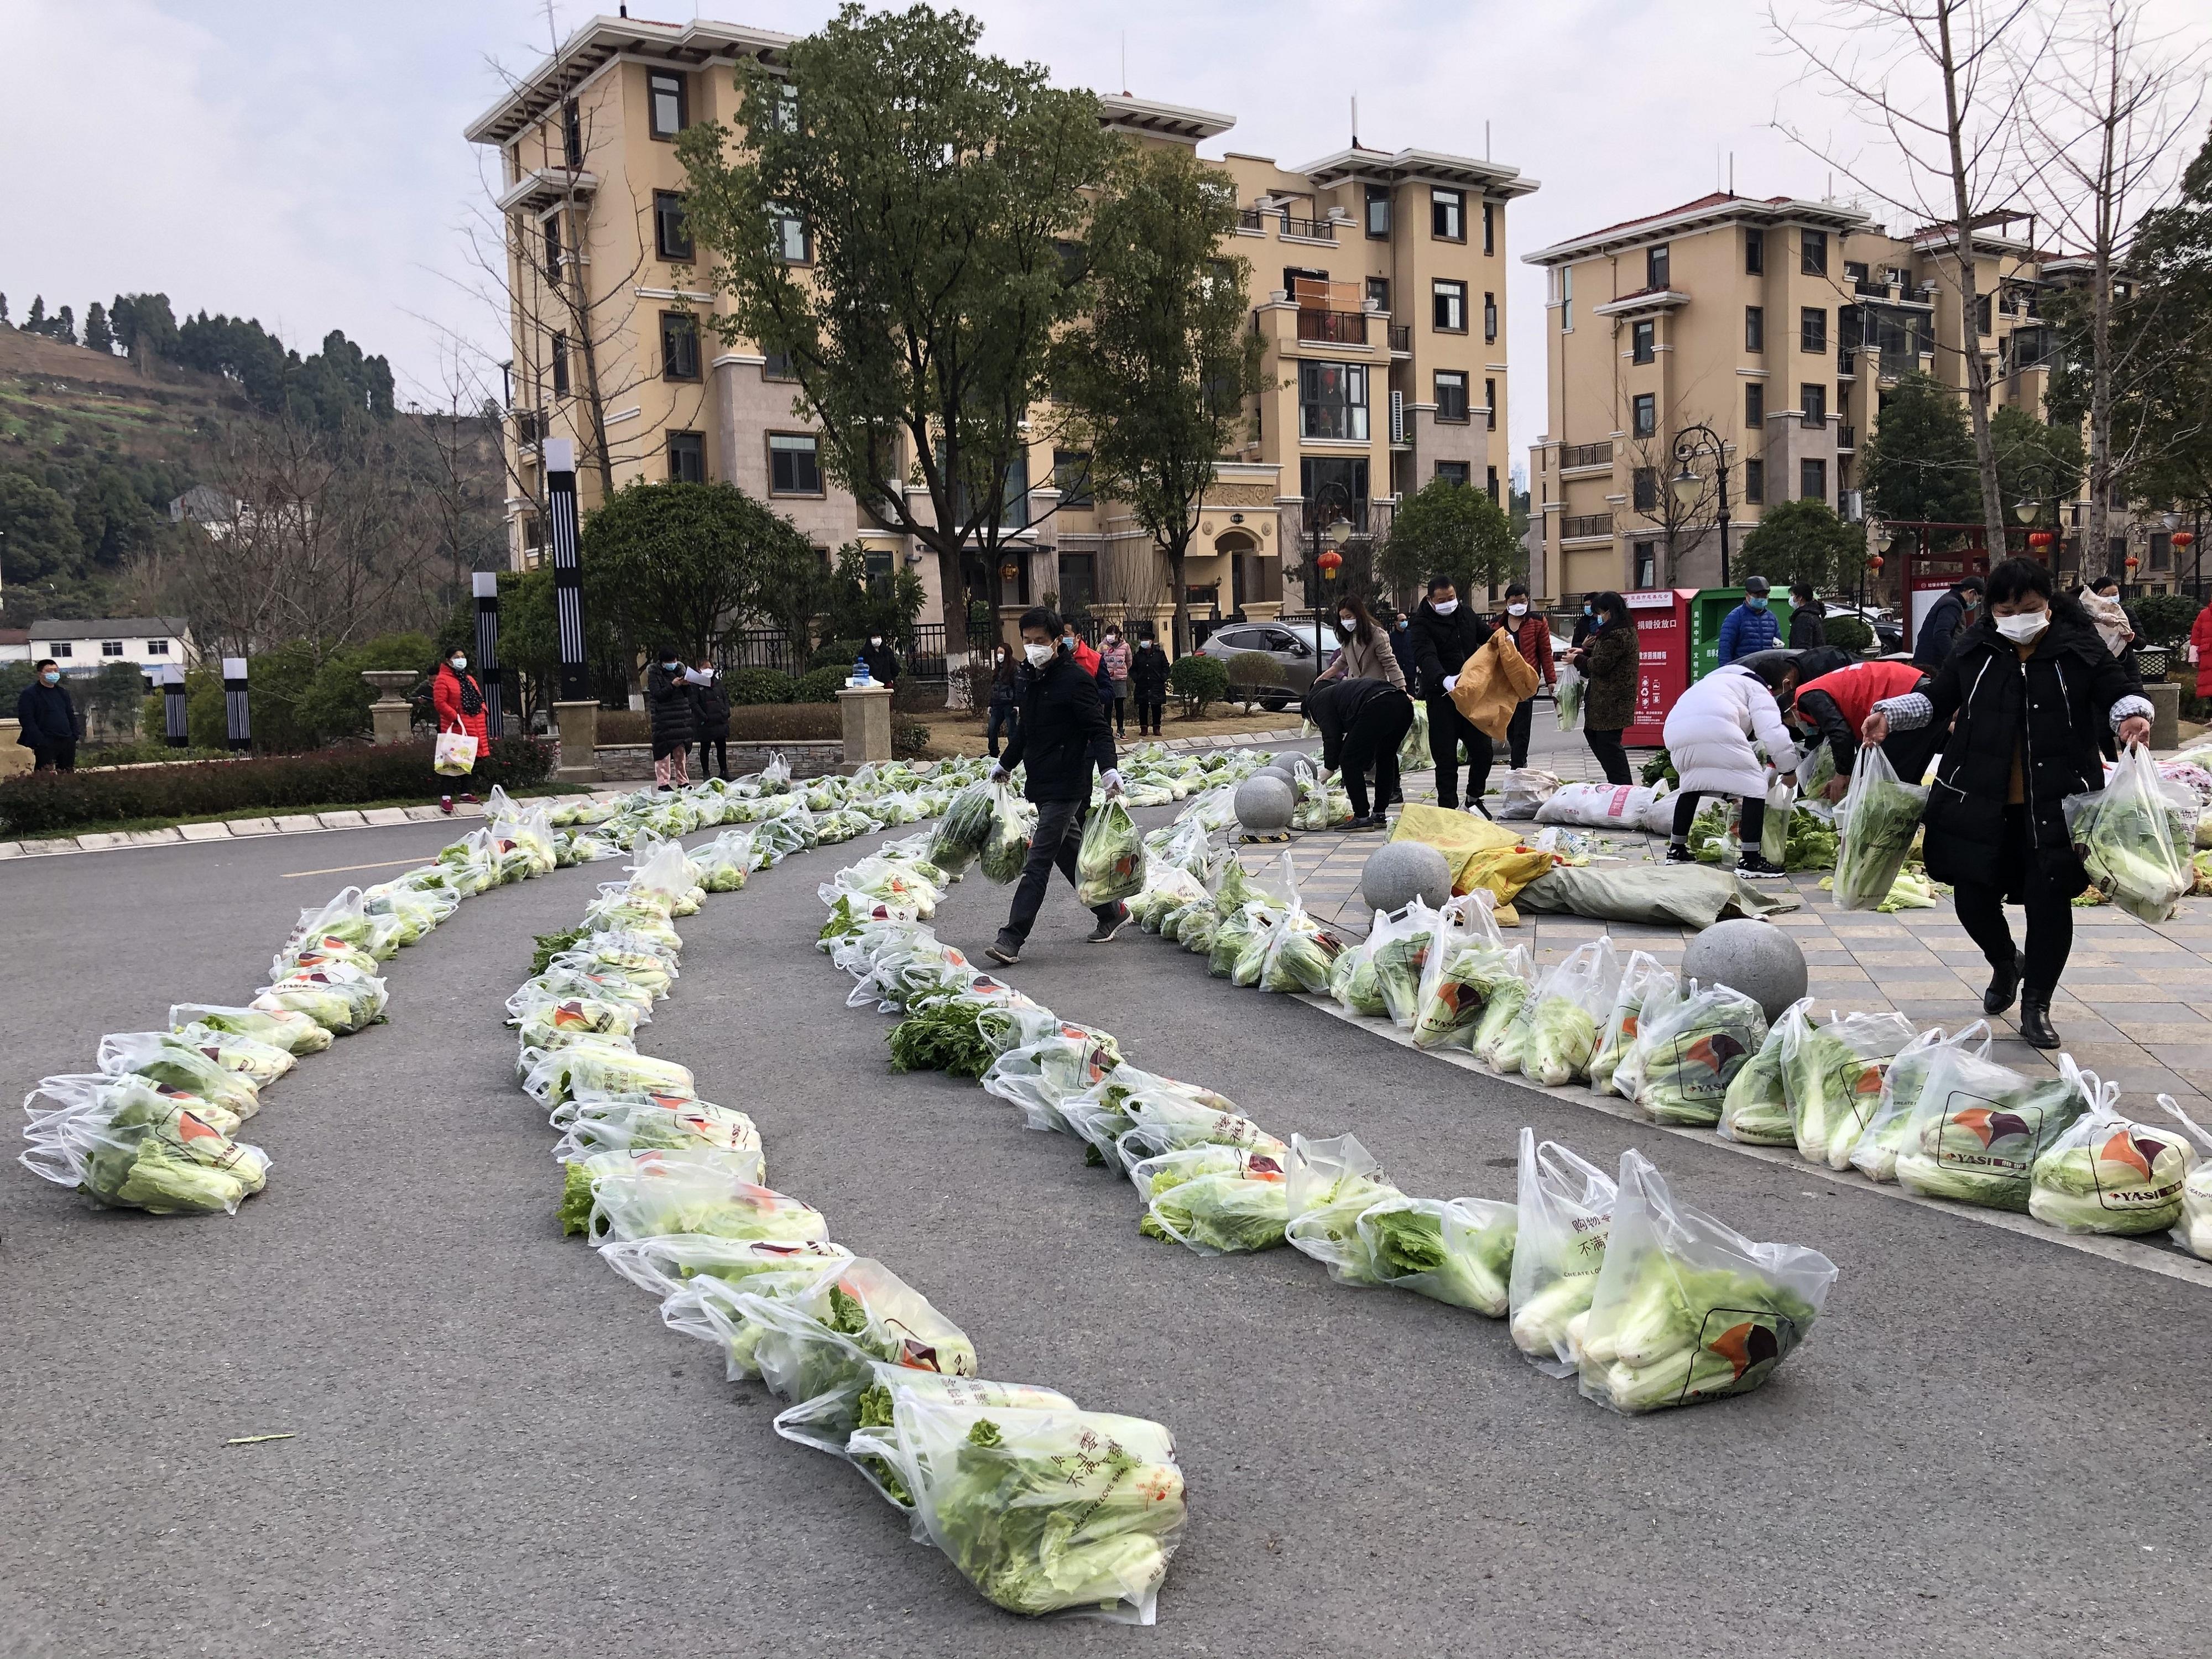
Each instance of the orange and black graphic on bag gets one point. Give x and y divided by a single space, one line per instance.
1704 1066
1737 1348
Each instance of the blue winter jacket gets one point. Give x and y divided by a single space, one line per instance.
1745 630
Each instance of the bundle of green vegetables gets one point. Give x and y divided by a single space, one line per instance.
1562 1023
1456 1250
1297 954
163 1057
1617 1034
1979 1127
281 1028
1755 1110
2134 837
1501 1036
1880 816
1109 863
1332 1183
1689 1055
857 1422
1400 945
1564 1212
941 1035
1831 1076
135 1144
2109 1174
1352 982
1005 847
1874 1155
646 1194
1215 1199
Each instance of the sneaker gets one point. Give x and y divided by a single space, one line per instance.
470 799
1006 955
1679 853
446 804
1755 865
1107 927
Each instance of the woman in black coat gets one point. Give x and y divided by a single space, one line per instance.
1446 632
710 708
1148 683
2026 692
674 717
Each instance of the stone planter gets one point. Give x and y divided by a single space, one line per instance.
391 714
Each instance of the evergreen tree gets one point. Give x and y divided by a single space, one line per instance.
3 311
64 327
36 322
97 335
1920 466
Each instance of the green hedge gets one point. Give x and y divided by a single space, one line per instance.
48 802
821 684
840 654
757 685
2164 618
1852 634
1197 681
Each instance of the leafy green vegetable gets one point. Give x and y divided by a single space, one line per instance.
1452 1000
1879 820
1562 1037
1109 863
943 1037
549 946
2109 1175
1831 1076
1691 1053
1455 1251
1006 847
1755 1110
1220 1214
1978 1128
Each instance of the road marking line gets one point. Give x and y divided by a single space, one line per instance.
2127 1252
344 869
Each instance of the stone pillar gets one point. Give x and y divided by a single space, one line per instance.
867 723
392 715
578 724
14 757
2165 713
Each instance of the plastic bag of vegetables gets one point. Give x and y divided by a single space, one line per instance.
1979 1127
1109 863
1661 991
1214 1198
1563 1024
1352 982
1167 1119
1690 1054
1755 1110
1167 886
1878 820
135 1144
260 1063
643 962
2133 838
1007 845
1041 1076
340 1000
1462 962
1563 1213
1400 945
347 917
1831 1076
1241 936
1687 1309
636 1123
1101 1114
1874 1154
1568 698
1501 1036
963 830
855 1422
1331 1184
2111 1174
1774 834
609 1065
284 1028
644 1195
165 1057
1616 1028
1299 954
1458 1250
666 1264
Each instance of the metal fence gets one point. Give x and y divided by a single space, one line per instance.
922 651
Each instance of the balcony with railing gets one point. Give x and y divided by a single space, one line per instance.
1333 327
1257 221
1367 517
1847 438
1575 455
1871 288
1579 525
1847 362
1401 338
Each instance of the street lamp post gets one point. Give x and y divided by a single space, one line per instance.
1687 485
1325 563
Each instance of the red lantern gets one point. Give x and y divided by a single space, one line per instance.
2183 540
2041 540
2133 561
1329 563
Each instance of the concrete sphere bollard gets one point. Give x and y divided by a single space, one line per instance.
1279 769
1755 958
1399 872
1265 804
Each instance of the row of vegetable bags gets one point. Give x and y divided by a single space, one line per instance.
1045 1507
1212 1179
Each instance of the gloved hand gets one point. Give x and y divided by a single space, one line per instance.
1450 680
998 774
1112 778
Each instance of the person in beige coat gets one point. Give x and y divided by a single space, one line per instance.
1364 651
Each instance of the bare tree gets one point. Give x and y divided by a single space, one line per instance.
1945 84
2102 135
1654 464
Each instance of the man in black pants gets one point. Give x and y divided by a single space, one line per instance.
1445 635
1148 683
1361 723
1062 734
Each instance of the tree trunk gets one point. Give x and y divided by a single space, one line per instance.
1180 627
2096 528
1978 382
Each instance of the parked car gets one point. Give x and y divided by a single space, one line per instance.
1281 641
1888 631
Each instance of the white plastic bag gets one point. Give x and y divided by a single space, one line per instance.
1878 821
1563 1020
1598 805
1332 1183
1564 1213
2133 838
1567 697
1617 1034
1523 790
1465 962
1774 834
1874 1155
1689 1055
1831 1076
2111 1174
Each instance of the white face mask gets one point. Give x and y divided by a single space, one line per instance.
1444 607
2025 627
1146 644
875 639
1516 609
460 664
1039 655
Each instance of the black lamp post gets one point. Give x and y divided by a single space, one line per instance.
1691 442
1337 534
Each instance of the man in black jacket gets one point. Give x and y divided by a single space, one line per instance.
1148 683
1809 629
1062 734
1943 622
882 661
50 721
710 709
1445 635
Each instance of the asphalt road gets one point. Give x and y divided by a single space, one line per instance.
1990 1444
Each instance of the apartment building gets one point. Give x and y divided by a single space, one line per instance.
1377 285
1766 329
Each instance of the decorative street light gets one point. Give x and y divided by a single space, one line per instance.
1327 563
1691 442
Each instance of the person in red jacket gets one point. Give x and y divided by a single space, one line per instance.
2200 651
1832 709
1531 634
460 705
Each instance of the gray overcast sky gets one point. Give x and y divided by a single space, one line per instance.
304 164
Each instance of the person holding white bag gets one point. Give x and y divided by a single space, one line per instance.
459 702
1709 736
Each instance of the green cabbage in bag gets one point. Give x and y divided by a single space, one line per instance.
1456 1250
2108 1174
1693 1051
1755 1110
1831 1076
1109 865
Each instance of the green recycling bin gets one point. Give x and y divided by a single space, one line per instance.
1707 611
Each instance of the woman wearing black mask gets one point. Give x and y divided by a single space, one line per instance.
2030 686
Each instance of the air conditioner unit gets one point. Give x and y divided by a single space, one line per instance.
1397 418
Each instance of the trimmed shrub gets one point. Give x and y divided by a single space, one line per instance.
625 725
785 722
143 753
1251 672
2164 618
821 684
48 802
909 739
757 685
840 654
1197 681
910 696
1852 634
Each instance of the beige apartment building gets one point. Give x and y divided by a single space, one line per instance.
1773 324
1378 285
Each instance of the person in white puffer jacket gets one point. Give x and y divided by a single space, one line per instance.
1709 736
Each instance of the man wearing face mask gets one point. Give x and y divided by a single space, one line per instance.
1532 637
674 716
1148 679
883 662
1062 734
2025 693
1445 635
50 722
1751 626
1946 620
1401 647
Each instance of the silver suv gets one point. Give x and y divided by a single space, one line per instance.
1294 652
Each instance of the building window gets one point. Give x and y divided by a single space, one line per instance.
1812 480
1378 211
671 236
1812 403
1656 263
1447 215
1754 328
1567 298
1811 329
687 458
794 245
1642 341
679 346
1490 482
1755 482
1071 471
1333 400
1336 482
1078 583
1754 405
61 650
560 355
1643 490
1451 395
1643 415
1647 565
1982 321
1490 316
572 134
670 99
157 648
1453 471
1490 228
1755 254
786 118
1489 402
777 366
110 648
794 463
1812 252
1449 306
553 246
1378 291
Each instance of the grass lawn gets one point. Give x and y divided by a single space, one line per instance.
119 826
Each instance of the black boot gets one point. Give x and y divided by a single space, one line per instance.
2004 986
2035 1027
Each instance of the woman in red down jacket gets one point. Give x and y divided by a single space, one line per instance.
2200 641
459 702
